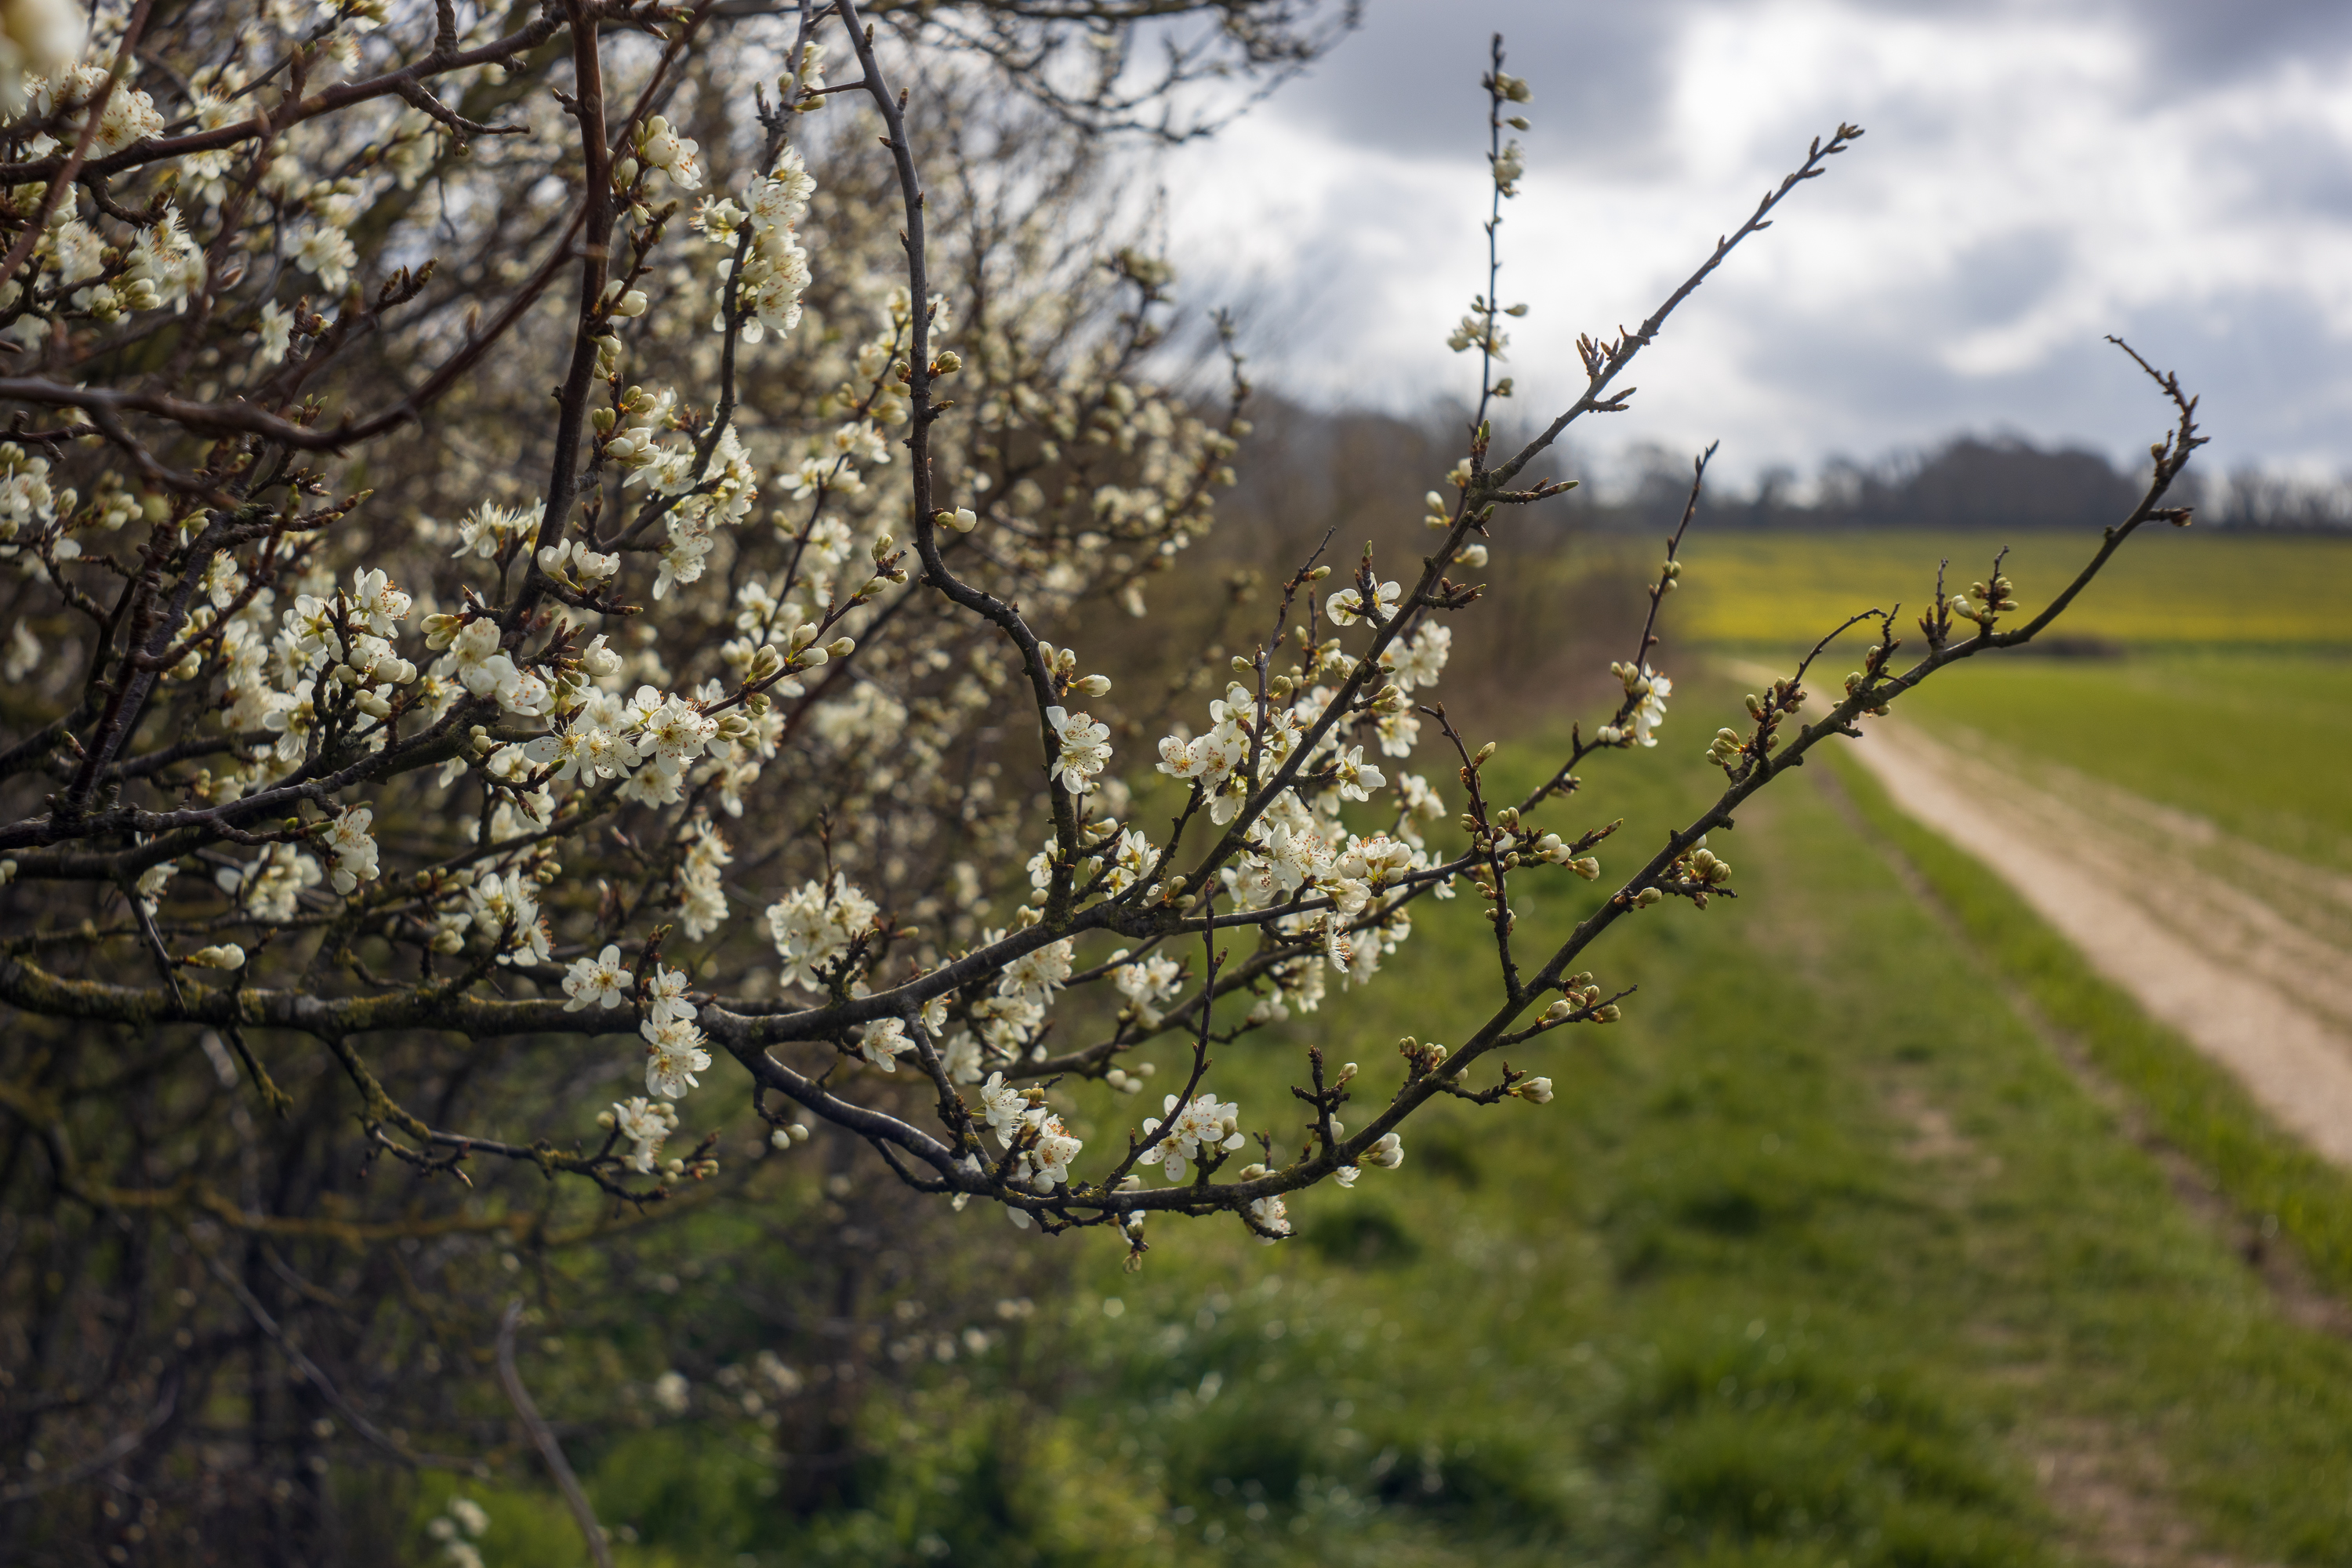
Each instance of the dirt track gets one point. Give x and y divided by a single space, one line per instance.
2265 996
2162 904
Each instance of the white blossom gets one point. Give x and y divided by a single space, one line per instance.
1346 607
702 904
1204 1125
1085 748
674 1054
660 146
327 254
1149 984
644 1124
272 886
884 1041
665 995
354 849
510 904
1036 974
812 926
36 36
1271 1213
603 981
24 655
1357 778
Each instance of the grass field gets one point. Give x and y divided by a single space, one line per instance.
2168 587
1816 1258
1820 1256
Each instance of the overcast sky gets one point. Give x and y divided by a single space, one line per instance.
2034 176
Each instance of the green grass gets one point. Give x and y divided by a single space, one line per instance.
2256 743
1812 1259
1714 1304
2167 587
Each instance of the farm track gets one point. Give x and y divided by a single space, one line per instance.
2160 903
2265 996
2156 901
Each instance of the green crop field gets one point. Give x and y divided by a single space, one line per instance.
1820 1256
2168 587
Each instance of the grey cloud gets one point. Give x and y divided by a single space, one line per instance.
1407 82
1603 67
2268 368
2206 41
2302 168
1997 280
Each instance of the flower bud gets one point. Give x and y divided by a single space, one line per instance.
598 660
1535 1091
841 647
947 361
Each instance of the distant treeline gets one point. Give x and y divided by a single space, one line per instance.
2002 482
1306 470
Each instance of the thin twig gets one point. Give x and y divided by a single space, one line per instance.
543 1436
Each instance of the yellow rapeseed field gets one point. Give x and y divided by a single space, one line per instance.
2167 586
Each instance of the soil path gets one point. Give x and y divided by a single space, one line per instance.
2266 998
